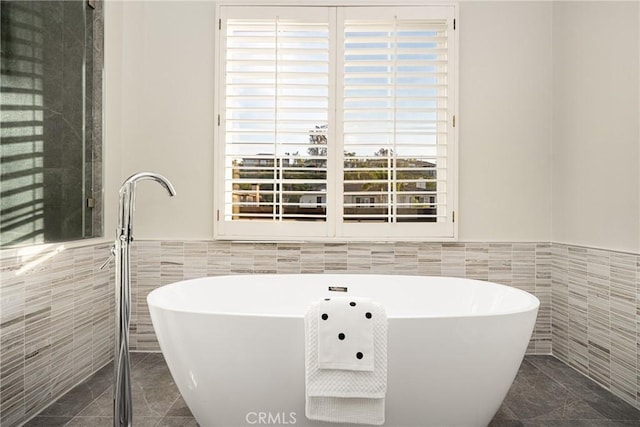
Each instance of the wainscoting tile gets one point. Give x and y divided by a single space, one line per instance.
453 262
430 259
56 326
312 258
596 316
287 259
56 318
476 261
195 260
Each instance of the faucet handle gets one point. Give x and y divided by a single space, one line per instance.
108 260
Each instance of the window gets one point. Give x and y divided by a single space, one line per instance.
336 122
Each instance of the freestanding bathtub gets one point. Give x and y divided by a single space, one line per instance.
235 345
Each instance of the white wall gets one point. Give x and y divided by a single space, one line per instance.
505 121
167 124
165 82
596 124
112 110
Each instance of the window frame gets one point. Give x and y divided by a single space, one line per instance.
334 229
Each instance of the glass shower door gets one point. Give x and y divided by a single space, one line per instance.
47 150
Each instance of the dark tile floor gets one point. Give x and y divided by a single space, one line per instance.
156 400
546 392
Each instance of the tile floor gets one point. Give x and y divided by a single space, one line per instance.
545 393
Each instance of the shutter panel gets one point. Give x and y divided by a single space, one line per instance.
276 114
396 117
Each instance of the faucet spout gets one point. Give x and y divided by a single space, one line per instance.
128 198
141 176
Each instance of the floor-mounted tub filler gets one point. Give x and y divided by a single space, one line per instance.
122 399
235 345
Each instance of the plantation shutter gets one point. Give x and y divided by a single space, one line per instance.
397 112
275 64
336 122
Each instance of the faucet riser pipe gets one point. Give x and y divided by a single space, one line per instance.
123 410
122 400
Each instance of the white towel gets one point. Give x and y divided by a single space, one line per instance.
345 334
346 395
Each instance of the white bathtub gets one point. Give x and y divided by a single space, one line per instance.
235 345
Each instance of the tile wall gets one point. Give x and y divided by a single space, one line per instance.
56 326
596 316
56 313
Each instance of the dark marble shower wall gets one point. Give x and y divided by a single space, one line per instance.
63 57
52 56
95 52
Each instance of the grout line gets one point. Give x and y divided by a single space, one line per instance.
564 386
170 406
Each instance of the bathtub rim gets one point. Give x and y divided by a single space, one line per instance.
534 302
153 300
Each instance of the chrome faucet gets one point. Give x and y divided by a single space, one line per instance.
122 402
